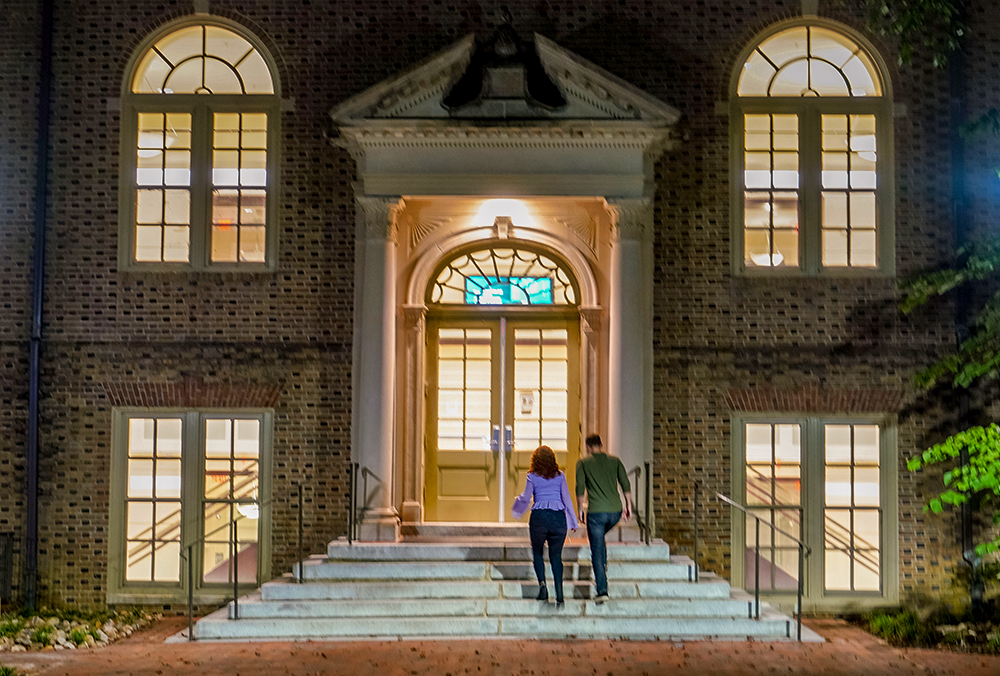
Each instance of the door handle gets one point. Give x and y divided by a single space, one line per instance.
495 439
508 445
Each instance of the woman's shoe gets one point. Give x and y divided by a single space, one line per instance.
559 601
543 594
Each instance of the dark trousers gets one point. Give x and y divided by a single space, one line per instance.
598 525
548 525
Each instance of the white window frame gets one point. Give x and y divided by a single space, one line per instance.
809 112
120 590
201 107
813 463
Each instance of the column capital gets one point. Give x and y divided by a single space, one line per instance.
413 316
631 218
593 316
378 216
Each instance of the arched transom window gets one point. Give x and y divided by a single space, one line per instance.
813 125
503 276
200 119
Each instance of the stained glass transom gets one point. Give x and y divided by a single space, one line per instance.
809 61
202 60
504 276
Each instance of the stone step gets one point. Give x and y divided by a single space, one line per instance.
254 607
625 532
464 530
516 551
617 570
677 589
556 624
447 607
380 570
285 589
217 626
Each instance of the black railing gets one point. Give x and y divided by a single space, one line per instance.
234 518
647 497
804 551
642 519
833 533
352 513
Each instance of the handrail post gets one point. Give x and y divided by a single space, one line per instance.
301 568
798 621
350 504
696 531
756 568
648 508
190 558
354 499
236 567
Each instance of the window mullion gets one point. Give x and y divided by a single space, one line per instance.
810 175
201 185
193 485
814 503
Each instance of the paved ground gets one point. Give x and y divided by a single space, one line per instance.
848 651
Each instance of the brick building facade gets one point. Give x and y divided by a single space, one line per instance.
728 347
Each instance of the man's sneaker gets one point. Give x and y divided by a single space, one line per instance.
601 599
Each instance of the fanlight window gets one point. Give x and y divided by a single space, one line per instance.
202 114
504 276
202 60
809 61
812 121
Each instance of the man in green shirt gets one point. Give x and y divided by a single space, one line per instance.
597 479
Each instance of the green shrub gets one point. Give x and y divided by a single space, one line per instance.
11 626
993 642
901 629
78 636
8 671
43 634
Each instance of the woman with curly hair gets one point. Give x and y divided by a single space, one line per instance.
552 515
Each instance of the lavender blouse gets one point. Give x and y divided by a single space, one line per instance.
548 494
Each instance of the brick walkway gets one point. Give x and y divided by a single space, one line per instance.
848 651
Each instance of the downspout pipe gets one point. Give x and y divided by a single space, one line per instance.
963 303
37 302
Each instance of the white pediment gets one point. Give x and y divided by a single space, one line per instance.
593 96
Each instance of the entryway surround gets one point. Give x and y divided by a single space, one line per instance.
572 180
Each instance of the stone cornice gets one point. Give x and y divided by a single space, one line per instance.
576 134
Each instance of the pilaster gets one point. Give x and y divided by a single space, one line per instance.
375 363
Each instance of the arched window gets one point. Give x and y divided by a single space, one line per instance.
200 115
812 133
503 276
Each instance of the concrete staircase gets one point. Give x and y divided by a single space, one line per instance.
449 584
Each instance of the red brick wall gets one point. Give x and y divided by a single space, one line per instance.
111 335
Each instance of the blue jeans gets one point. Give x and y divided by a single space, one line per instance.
548 525
598 525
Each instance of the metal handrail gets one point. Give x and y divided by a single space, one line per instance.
804 551
639 521
352 514
867 560
177 517
233 557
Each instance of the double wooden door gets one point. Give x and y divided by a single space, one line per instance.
497 388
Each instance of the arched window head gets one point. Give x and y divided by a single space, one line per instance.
202 60
503 276
813 189
200 116
809 61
